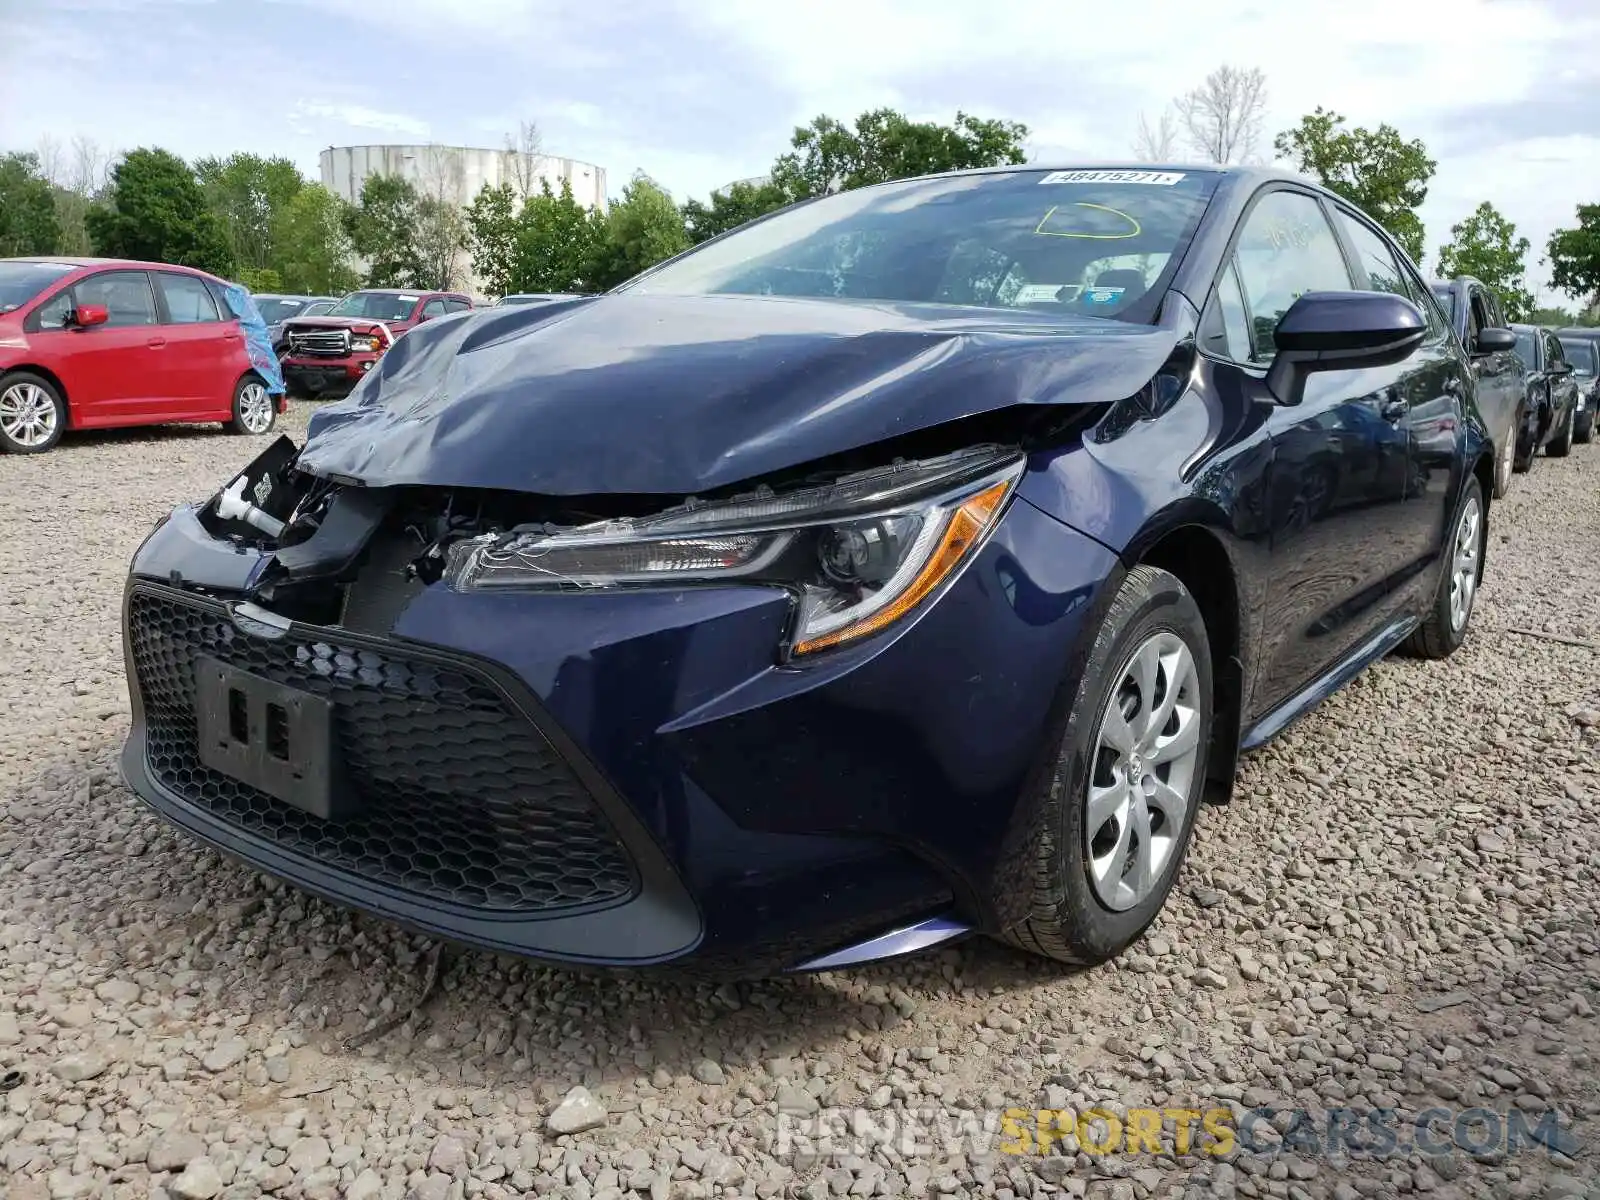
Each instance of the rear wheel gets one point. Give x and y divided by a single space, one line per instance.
253 408
1560 445
1583 429
32 413
1120 804
1444 625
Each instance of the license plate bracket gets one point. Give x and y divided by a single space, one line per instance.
274 738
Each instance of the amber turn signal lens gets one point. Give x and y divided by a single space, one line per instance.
965 528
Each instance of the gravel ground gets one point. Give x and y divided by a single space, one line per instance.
1397 911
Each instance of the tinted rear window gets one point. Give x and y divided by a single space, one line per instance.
1525 347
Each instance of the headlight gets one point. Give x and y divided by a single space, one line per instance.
366 344
858 553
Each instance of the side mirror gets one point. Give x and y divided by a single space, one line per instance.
1340 331
1493 341
86 315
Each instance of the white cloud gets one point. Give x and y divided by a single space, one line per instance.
359 116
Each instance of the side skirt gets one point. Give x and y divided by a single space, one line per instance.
1318 690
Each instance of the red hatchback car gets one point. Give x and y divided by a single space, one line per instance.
93 343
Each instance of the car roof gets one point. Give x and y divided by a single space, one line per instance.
405 292
77 262
1586 332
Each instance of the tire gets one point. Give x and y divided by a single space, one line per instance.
1441 632
1560 445
1504 465
33 413
1078 913
1527 444
1583 430
254 411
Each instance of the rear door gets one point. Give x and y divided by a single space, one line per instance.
1425 401
113 372
204 346
1336 486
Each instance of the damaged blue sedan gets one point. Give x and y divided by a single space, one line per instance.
910 563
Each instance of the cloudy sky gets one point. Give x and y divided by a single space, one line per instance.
701 92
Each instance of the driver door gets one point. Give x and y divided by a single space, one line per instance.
115 373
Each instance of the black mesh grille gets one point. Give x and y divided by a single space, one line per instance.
462 799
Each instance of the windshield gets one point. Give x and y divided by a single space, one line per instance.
1525 348
22 281
278 308
1090 242
1580 353
377 306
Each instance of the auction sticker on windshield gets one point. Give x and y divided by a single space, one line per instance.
1160 178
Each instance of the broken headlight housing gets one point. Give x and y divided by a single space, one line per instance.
859 553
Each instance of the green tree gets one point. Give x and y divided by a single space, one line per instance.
383 230
1549 315
559 243
1574 256
156 210
28 221
642 229
1486 246
492 221
829 156
731 207
440 237
311 247
248 193
1377 170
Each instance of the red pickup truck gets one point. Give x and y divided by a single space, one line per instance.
328 355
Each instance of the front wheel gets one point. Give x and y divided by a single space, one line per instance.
1118 807
1444 625
253 408
1505 461
32 414
1583 429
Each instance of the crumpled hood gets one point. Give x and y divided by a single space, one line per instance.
336 323
641 394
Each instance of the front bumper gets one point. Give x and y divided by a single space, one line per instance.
760 814
316 376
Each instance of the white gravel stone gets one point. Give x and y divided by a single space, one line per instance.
1398 904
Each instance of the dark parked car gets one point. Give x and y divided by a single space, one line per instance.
276 309
1552 390
898 566
1582 349
1475 312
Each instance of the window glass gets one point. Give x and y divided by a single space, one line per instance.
1286 249
274 309
375 306
1447 300
1525 349
433 308
1552 352
1086 242
188 301
53 312
1477 317
1385 271
1235 318
22 280
126 296
1580 352
458 306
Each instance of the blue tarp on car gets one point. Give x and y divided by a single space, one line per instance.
257 342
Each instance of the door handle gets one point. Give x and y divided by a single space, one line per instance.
156 343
